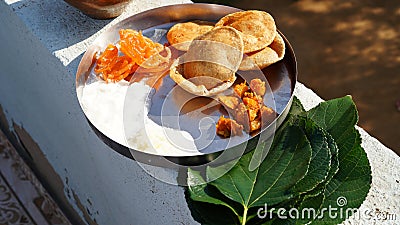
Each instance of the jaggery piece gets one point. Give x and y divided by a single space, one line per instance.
227 127
251 95
252 114
249 110
230 102
240 89
251 103
267 115
258 86
255 124
242 116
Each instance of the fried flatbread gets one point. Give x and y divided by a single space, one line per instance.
210 64
181 34
265 57
188 85
257 28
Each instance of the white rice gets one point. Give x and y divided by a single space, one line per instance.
128 123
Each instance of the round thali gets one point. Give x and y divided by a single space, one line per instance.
171 115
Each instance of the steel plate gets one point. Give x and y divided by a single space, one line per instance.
281 76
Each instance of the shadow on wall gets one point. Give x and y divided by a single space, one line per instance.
346 47
71 24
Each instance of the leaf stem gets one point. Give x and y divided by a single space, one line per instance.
244 219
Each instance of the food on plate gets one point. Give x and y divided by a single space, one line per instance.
252 106
240 89
182 34
242 116
257 28
267 114
214 53
227 127
264 57
230 102
258 87
113 67
141 49
247 108
209 66
138 51
205 58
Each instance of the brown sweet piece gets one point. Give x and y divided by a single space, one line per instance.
251 103
182 34
249 110
258 86
240 89
252 95
227 127
230 102
267 115
242 116
257 28
255 125
252 107
265 57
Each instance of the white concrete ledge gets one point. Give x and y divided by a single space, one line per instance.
42 43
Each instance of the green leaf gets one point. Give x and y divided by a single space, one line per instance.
334 150
296 110
197 189
316 159
351 184
286 163
338 117
309 208
296 107
333 168
260 154
353 178
282 222
210 214
320 159
200 191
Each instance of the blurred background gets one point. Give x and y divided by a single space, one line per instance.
346 47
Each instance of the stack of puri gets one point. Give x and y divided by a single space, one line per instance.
212 51
246 40
209 65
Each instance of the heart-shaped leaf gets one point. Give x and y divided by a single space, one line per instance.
316 162
286 164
